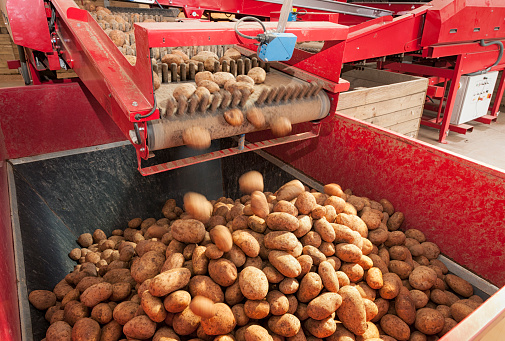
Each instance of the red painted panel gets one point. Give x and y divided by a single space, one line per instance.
458 203
9 310
27 23
49 118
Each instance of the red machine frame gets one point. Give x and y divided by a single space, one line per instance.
347 146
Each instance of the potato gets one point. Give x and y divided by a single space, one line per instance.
202 306
395 327
42 299
185 90
236 256
96 294
353 222
422 278
205 286
256 309
257 74
184 56
102 313
286 325
246 242
256 118
391 287
233 53
86 329
322 328
280 126
279 303
245 79
188 231
395 221
234 117
352 311
118 37
253 283
324 305
285 263
203 76
173 58
310 286
282 221
257 333
328 276
280 240
251 182
185 322
148 266
196 138
431 250
405 306
221 236
348 252
353 271
220 78
169 281
199 260
198 207
400 268
460 310
223 272
223 322
59 331
374 278
165 334
211 87
139 327
153 307
459 285
429 321
208 64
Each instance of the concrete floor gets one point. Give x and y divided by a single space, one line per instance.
486 143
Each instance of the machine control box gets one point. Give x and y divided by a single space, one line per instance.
473 97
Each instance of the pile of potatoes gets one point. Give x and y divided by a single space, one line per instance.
296 264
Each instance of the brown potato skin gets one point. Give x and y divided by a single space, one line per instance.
59 330
352 311
253 283
429 321
395 327
223 322
86 329
286 325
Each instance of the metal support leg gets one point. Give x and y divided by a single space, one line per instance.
451 98
499 95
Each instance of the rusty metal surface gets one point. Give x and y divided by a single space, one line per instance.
457 202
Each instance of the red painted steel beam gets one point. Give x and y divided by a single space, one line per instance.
223 33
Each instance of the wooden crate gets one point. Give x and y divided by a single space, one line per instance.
390 100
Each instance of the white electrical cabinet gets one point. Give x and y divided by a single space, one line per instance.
473 97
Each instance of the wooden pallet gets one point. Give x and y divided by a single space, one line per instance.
389 100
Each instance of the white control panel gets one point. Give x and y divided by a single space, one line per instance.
473 97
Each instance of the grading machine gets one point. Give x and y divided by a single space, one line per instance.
67 168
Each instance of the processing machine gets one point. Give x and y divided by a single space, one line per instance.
111 100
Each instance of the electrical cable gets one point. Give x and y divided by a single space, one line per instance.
500 55
248 18
158 4
139 116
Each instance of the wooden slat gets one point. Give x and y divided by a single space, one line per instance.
368 111
381 93
405 127
380 76
397 117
